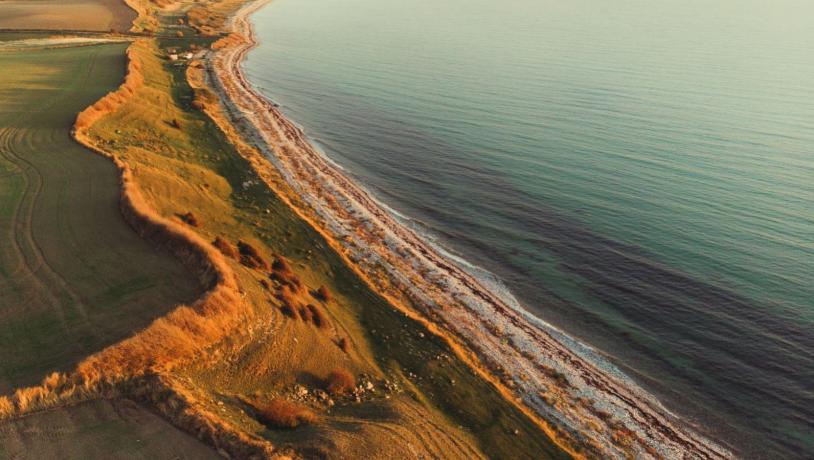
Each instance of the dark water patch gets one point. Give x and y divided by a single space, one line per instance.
744 360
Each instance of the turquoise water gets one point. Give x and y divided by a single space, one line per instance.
639 173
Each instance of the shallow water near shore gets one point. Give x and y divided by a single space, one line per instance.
638 175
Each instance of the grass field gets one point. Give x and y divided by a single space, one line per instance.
74 277
97 15
99 429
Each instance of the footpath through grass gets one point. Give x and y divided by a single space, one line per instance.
99 429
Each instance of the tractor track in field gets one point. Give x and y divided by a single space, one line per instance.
23 268
32 262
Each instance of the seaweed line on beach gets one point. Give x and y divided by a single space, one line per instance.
576 400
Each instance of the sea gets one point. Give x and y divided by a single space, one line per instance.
638 173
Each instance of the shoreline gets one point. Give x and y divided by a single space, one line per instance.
578 401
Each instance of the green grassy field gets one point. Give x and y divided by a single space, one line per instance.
102 429
74 277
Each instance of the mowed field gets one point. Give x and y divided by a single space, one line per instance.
118 429
96 15
74 277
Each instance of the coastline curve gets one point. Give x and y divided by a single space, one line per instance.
577 400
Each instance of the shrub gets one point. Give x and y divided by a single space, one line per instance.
280 413
342 343
306 314
290 311
323 294
176 123
281 264
226 248
293 281
190 219
317 316
290 304
339 381
282 272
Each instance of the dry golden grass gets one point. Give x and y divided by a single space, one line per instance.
226 248
339 382
96 281
318 317
290 304
179 405
342 343
145 19
189 329
281 265
281 413
282 272
306 314
209 21
190 219
111 102
323 294
290 310
250 256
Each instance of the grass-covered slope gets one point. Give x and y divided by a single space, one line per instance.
424 400
74 277
100 429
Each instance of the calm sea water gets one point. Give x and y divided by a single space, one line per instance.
639 173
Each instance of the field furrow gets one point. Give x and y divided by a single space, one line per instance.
76 277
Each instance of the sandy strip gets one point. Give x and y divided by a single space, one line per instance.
562 381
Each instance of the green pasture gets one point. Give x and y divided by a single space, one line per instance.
74 277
